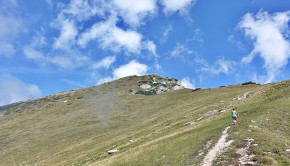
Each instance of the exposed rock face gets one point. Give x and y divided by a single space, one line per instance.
244 96
153 84
145 86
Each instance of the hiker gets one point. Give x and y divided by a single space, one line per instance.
234 116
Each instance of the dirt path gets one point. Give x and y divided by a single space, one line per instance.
218 148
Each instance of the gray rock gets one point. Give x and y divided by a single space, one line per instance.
209 113
244 96
188 123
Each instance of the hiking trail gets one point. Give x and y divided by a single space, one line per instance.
218 148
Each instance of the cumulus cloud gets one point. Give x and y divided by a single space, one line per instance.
14 90
171 6
133 12
11 27
112 37
107 33
268 31
132 68
130 40
105 62
97 31
187 83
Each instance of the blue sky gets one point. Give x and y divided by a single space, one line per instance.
50 46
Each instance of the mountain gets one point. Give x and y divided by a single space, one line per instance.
149 120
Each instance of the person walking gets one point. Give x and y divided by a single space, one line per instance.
234 116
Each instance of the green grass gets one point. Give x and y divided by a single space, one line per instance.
79 127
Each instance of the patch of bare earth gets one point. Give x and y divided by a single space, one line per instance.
245 158
218 148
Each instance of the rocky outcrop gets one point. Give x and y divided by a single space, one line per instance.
154 84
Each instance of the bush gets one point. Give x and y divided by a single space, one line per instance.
196 89
248 83
157 84
147 93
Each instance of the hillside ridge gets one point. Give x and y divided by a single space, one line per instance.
168 127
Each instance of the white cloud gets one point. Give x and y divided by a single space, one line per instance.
81 9
97 31
165 33
105 31
105 62
112 37
63 61
187 83
132 68
14 90
221 66
11 27
130 40
67 35
171 6
33 54
179 51
268 35
151 47
104 80
133 12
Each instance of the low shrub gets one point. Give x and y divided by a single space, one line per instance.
266 160
248 83
196 89
147 92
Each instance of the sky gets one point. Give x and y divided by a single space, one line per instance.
49 46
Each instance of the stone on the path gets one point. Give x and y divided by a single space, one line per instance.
113 151
188 123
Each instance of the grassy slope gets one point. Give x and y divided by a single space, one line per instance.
79 127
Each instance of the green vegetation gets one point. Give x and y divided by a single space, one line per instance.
79 127
247 83
147 92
